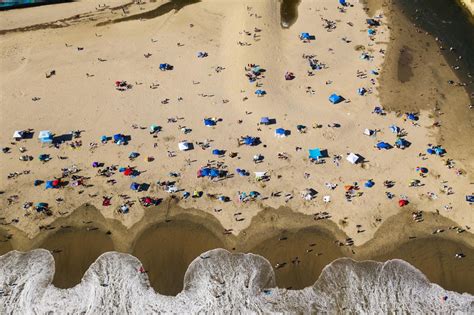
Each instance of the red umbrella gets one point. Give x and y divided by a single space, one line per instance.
128 172
55 182
148 200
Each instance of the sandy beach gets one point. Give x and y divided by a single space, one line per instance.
60 65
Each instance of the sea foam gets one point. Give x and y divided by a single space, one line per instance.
221 282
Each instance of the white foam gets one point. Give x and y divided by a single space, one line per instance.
221 282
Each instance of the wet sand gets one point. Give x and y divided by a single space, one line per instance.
74 250
435 257
167 249
302 253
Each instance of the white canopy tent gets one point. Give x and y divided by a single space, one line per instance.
353 158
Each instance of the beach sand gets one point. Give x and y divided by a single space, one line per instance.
81 96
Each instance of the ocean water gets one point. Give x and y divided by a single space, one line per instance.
12 4
220 282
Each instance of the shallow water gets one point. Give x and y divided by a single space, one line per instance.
451 24
289 12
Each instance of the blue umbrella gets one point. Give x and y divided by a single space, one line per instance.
280 131
369 184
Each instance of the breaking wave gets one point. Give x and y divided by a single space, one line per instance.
221 282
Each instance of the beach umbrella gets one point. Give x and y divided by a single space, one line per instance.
37 182
412 116
361 91
369 184
216 152
260 92
371 31
265 121
280 132
402 202
422 170
49 184
128 172
430 151
134 186
103 139
342 2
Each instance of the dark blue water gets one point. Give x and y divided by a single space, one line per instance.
14 4
453 27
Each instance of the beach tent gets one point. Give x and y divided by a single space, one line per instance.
394 129
18 135
368 132
383 145
361 91
45 136
335 99
439 151
280 132
342 2
154 128
371 31
218 152
259 175
402 143
470 198
250 141
353 158
134 186
260 92
372 22
265 121
165 66
315 153
209 122
214 172
184 146
305 36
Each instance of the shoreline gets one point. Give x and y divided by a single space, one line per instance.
263 237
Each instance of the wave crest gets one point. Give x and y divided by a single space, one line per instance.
221 282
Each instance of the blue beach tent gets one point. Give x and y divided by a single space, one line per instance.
305 36
134 186
315 153
209 122
383 145
335 99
